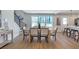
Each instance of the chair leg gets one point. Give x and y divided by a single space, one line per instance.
23 37
55 38
31 39
46 38
39 39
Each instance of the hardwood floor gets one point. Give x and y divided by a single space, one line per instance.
62 42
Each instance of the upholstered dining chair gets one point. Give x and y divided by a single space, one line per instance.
25 32
45 33
54 33
33 33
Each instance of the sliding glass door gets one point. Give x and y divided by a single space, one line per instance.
43 21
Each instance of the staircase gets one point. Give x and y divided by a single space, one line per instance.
19 21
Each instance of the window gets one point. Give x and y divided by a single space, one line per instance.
34 21
64 21
49 21
44 21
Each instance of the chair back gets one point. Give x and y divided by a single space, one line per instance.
33 31
44 31
25 32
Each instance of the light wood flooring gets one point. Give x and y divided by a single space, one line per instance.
62 42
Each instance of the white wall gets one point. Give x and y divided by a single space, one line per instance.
9 15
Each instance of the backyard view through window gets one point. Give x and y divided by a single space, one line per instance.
44 21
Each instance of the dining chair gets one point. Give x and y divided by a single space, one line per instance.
25 34
33 33
54 33
45 33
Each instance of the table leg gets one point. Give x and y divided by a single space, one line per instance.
39 38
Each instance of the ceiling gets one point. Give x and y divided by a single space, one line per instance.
51 11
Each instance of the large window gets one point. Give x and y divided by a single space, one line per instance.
44 21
